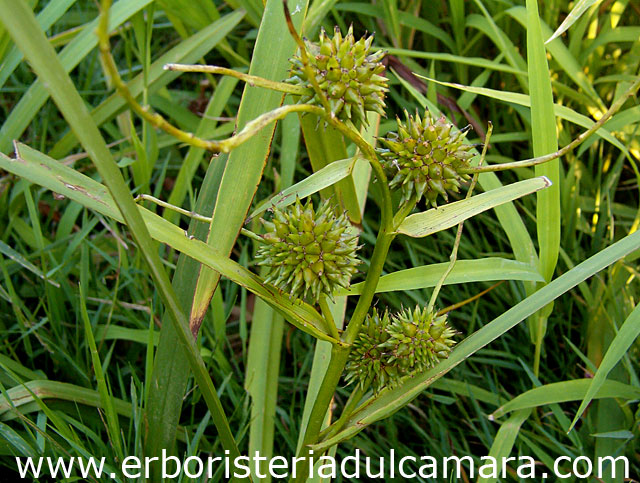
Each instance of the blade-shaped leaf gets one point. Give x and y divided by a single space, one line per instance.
576 12
437 219
464 271
319 180
245 164
503 442
619 346
565 391
12 254
545 141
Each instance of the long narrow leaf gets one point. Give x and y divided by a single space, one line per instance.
464 271
566 391
437 219
327 176
245 164
619 346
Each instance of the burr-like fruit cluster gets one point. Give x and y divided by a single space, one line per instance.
309 253
348 74
426 157
391 347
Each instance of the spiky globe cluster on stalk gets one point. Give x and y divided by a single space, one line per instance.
391 347
347 72
425 157
309 253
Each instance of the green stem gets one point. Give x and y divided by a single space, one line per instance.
304 57
252 80
454 252
326 312
351 404
404 211
169 206
339 354
197 217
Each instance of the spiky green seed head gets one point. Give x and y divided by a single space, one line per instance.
367 365
309 253
425 157
418 339
348 73
389 348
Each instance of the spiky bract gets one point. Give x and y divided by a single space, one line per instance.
308 253
425 157
348 73
391 347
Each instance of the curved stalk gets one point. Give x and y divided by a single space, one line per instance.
252 80
326 313
526 163
404 210
305 60
352 403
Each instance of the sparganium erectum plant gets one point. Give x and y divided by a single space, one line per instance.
308 255
305 256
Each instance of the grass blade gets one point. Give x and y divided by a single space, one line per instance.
566 391
503 442
245 164
576 12
437 219
327 176
545 141
464 271
619 346
106 400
